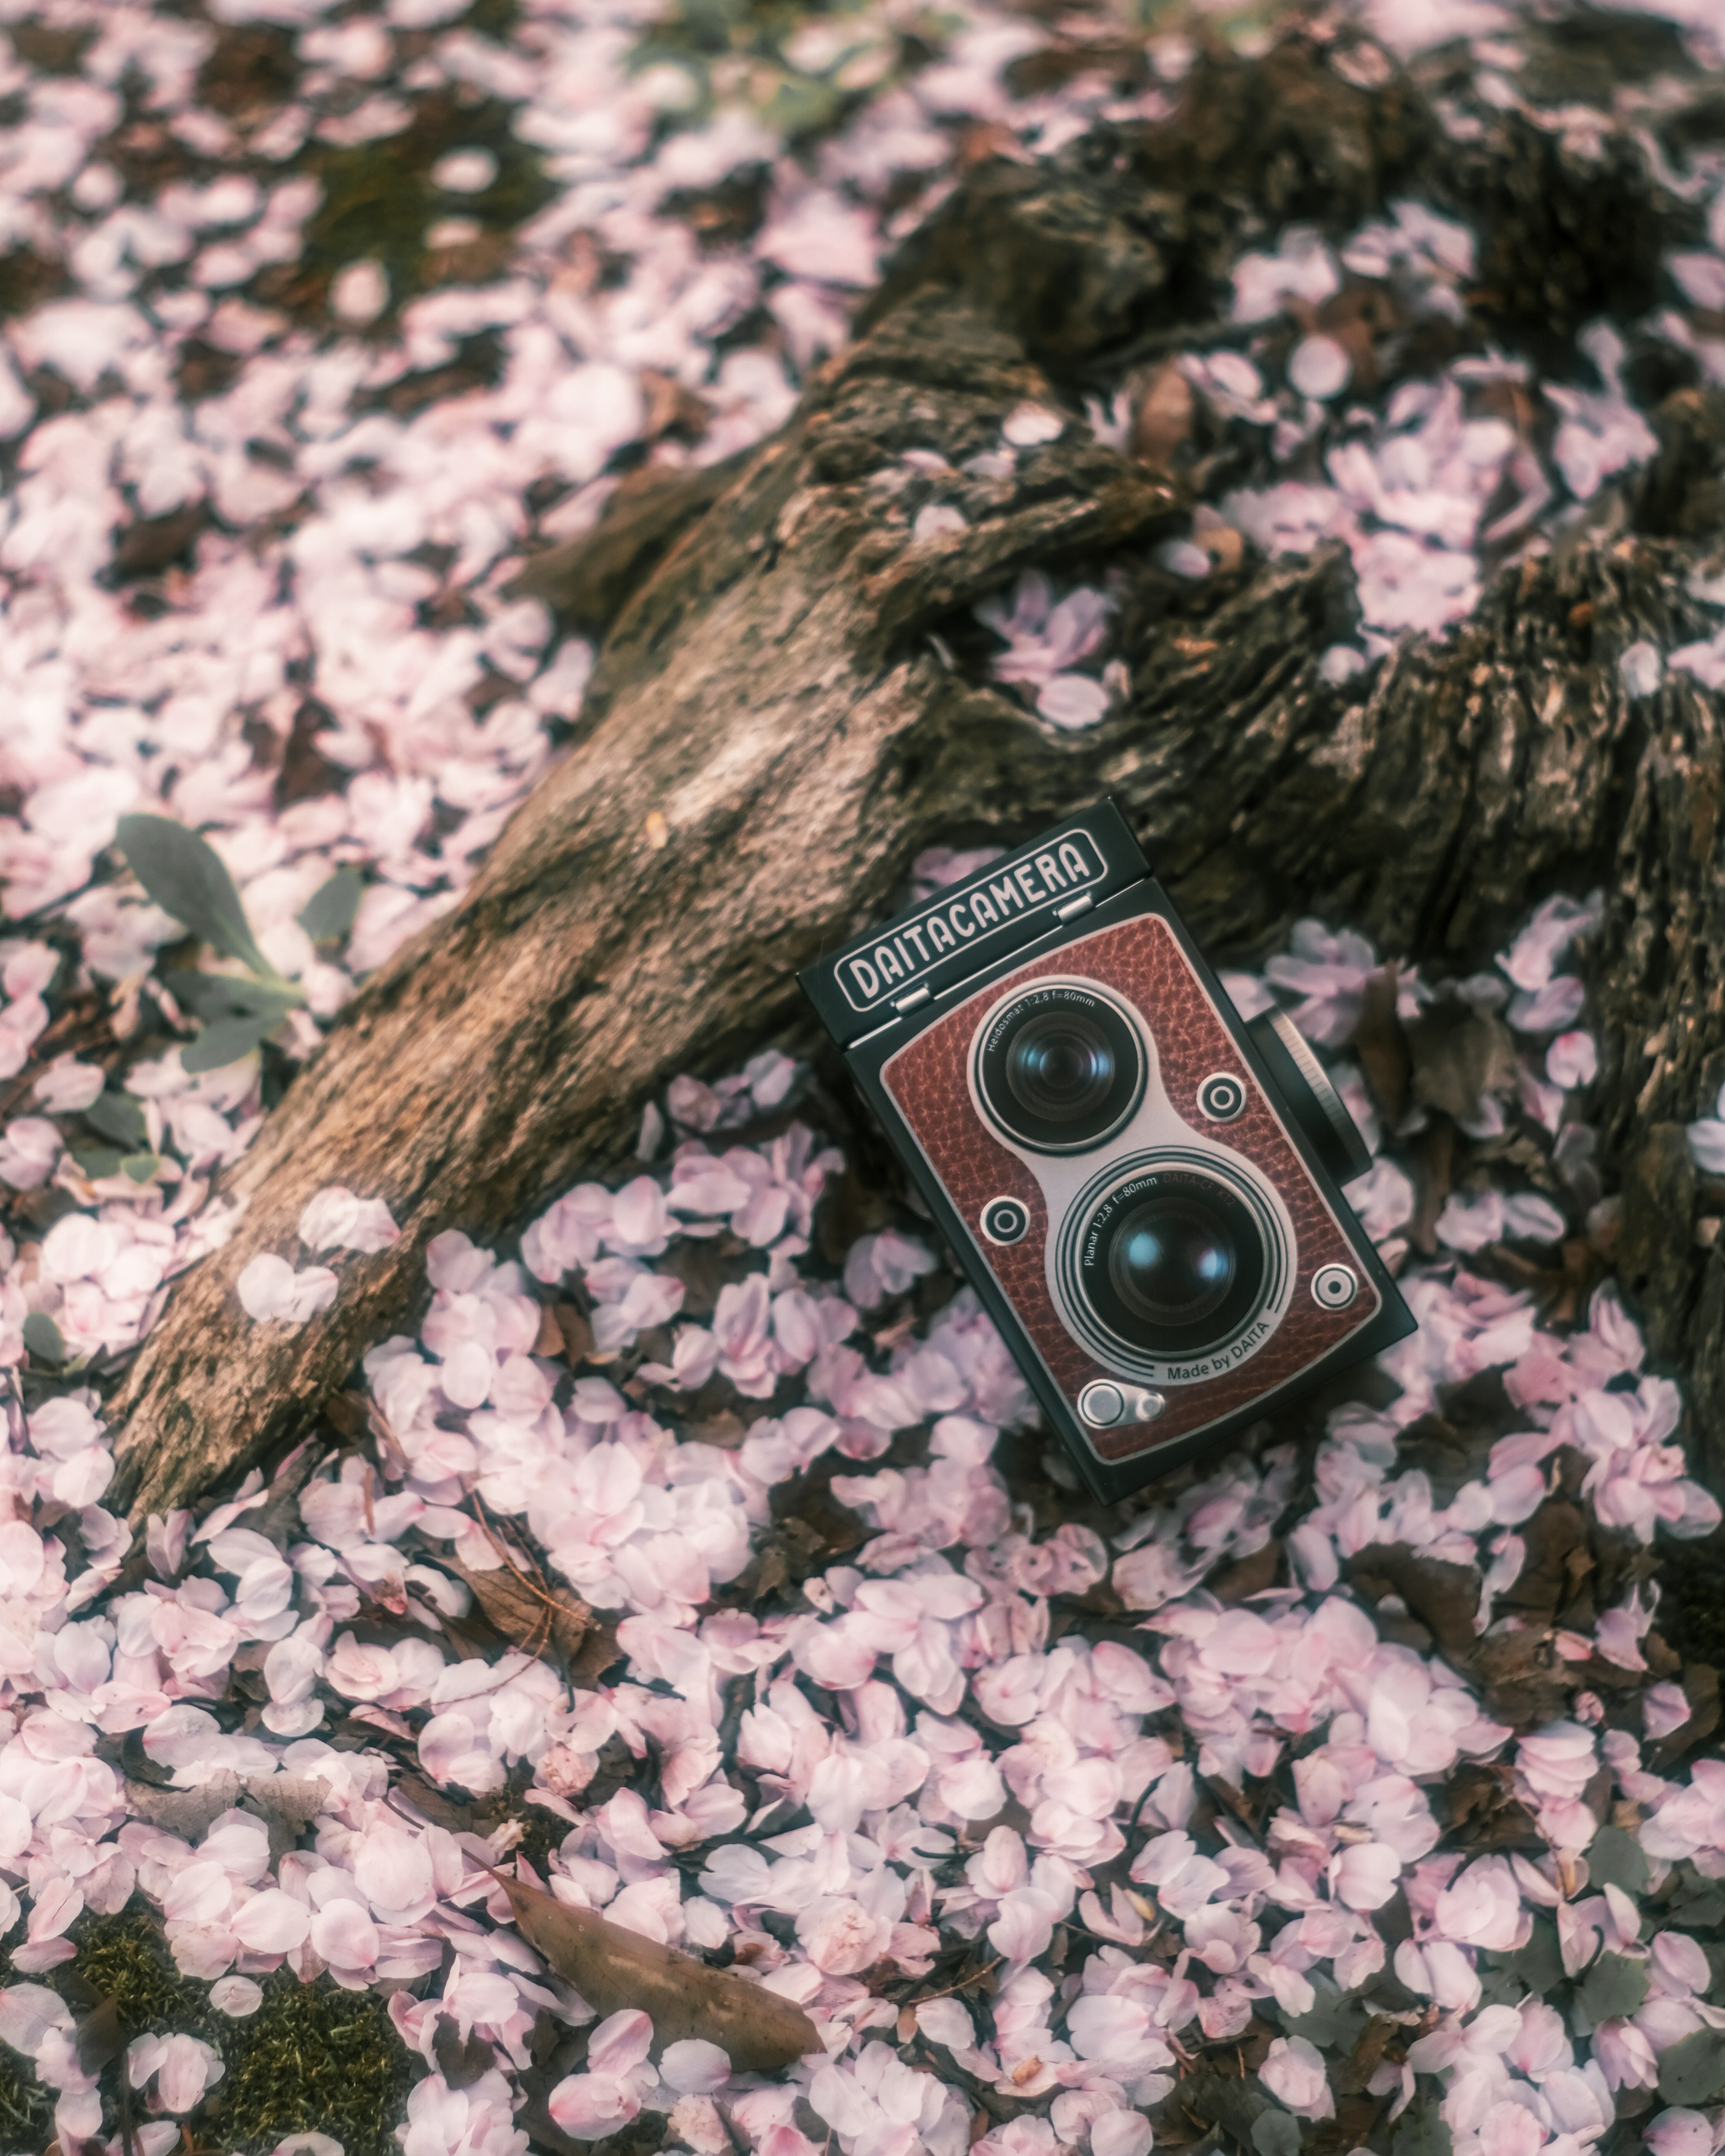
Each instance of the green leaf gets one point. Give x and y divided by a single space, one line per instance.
1275 2133
1693 2072
1498 1988
97 1161
142 1167
1614 1987
1331 2023
1422 2132
116 1115
213 997
186 877
1539 1964
1615 1859
1700 1905
225 1042
328 914
42 1336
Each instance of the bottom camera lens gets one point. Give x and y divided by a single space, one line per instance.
1171 1262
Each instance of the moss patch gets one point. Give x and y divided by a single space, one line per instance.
126 1959
379 199
497 19
725 46
313 2058
25 2106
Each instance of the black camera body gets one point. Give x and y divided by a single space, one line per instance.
1144 1188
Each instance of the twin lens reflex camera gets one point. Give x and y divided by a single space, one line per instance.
1144 1189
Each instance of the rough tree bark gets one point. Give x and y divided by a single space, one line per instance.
791 682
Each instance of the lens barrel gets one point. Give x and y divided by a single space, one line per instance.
1060 1069
1167 1258
1173 1262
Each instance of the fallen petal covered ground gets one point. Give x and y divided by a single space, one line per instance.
1033 1817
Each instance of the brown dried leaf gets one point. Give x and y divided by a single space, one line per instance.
187 1813
100 2036
672 406
461 2063
1523 1679
1460 1055
349 1413
838 1528
1444 1597
1661 1659
790 1551
473 1640
1483 1811
1381 1046
1163 417
704 1272
1248 1575
1362 2062
614 1969
726 1431
1436 1158
600 1652
438 1805
287 1803
1700 1688
576 1329
1556 1562
532 1614
1225 546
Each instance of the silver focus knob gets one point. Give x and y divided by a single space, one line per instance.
1101 1405
1104 1405
1313 1101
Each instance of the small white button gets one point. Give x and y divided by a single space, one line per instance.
1005 1220
1222 1097
1142 1405
1100 1405
1333 1287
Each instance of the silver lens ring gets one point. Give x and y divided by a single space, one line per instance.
1186 1180
1058 1067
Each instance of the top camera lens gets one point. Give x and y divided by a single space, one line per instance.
1060 1069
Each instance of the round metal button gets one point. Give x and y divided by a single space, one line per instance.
1333 1287
1222 1096
1142 1405
1101 1405
1005 1220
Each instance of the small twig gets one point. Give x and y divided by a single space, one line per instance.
543 1633
964 1984
126 2139
534 1587
739 2141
